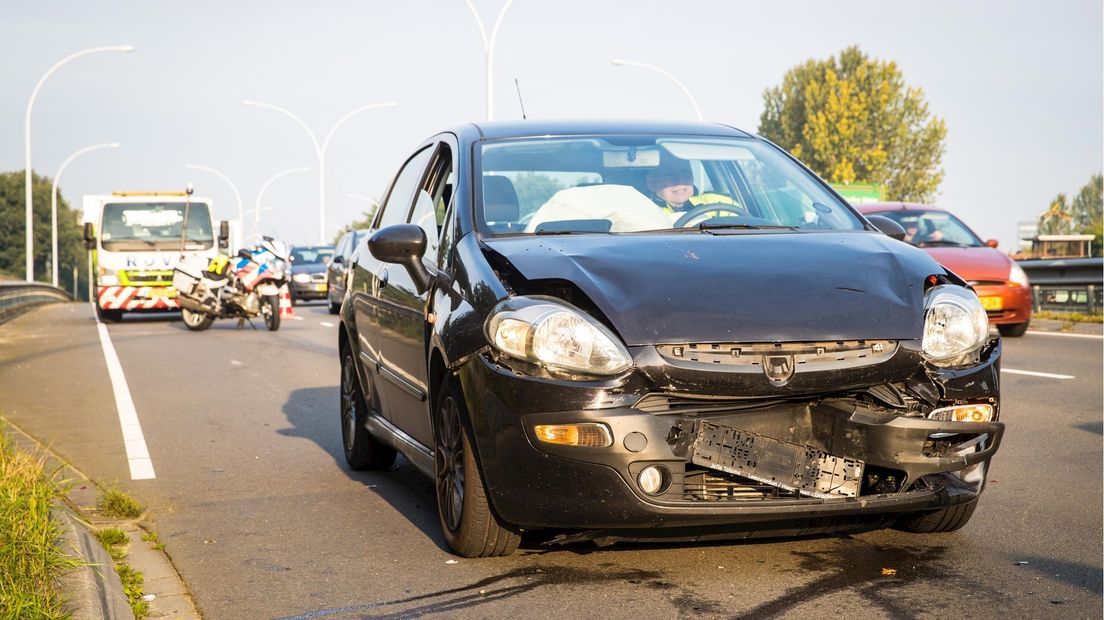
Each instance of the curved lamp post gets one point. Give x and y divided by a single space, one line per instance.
53 201
260 195
666 74
488 49
27 141
320 149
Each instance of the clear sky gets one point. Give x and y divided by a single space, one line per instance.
1018 83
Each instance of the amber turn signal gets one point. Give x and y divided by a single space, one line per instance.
588 434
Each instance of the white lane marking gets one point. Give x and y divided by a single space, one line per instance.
326 324
1032 373
235 363
297 318
141 466
1065 335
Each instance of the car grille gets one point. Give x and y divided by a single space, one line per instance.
318 277
704 485
147 278
807 356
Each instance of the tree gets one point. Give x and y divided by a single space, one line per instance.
854 120
1056 219
364 222
13 241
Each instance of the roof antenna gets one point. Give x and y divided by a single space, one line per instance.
520 102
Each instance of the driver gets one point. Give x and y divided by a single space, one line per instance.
672 188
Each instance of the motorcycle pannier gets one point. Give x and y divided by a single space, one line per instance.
184 282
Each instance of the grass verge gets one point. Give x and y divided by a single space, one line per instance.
1071 317
31 559
132 587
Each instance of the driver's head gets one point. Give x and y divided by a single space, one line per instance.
672 181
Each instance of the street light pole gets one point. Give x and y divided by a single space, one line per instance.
238 229
53 202
260 194
320 149
27 142
488 50
643 65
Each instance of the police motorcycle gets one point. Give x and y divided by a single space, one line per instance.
244 286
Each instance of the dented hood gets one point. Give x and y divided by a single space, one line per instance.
744 287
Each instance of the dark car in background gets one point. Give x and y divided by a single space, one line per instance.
1000 283
338 267
308 271
529 326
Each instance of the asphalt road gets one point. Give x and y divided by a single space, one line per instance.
262 519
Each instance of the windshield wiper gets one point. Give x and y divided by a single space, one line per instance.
569 232
941 242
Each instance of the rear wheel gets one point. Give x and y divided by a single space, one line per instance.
196 321
362 450
270 310
946 520
334 307
470 528
1013 330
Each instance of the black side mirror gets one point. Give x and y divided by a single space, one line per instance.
224 235
403 244
89 236
338 260
887 226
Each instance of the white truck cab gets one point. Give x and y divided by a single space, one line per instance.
135 239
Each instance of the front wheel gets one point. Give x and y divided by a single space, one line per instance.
196 321
1013 330
471 529
108 316
270 309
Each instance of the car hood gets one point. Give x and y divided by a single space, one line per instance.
973 264
749 287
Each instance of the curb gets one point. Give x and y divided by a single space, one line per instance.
92 590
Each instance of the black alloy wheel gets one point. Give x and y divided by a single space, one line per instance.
362 450
470 528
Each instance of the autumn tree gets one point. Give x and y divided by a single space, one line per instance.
852 119
1083 215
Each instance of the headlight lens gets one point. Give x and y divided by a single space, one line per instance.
955 325
552 333
299 277
1017 276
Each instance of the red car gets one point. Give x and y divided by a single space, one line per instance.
1000 283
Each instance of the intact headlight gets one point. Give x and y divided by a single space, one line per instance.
955 325
1017 276
299 277
555 334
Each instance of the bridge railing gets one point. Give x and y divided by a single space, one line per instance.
16 297
1066 284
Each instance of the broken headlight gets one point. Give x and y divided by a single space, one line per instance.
955 325
554 334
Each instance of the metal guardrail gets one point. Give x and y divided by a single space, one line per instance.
1066 284
17 297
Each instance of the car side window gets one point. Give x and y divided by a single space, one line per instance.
397 204
431 201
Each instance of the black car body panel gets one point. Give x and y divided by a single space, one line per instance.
798 340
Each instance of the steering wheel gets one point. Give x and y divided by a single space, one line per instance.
701 210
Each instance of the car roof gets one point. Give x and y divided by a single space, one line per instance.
534 128
878 207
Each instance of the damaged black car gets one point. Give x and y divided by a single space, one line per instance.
658 331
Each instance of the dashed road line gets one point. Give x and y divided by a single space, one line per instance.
1032 373
326 324
1066 335
138 457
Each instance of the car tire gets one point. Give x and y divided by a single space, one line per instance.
109 316
939 521
272 315
335 308
470 527
1013 330
362 450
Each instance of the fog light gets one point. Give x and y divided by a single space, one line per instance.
588 434
654 479
963 413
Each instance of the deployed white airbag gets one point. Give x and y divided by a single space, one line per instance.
624 206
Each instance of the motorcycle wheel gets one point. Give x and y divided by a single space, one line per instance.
196 321
270 309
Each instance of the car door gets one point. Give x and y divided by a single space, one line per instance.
336 269
373 311
404 310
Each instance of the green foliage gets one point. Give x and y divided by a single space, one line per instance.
115 503
854 120
362 223
112 536
31 559
132 587
1084 215
13 228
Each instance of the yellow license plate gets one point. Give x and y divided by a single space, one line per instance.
990 303
320 287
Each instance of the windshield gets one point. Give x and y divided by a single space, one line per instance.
933 228
642 183
155 225
312 255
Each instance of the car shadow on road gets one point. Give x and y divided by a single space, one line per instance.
313 414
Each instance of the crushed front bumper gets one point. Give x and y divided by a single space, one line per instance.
539 485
